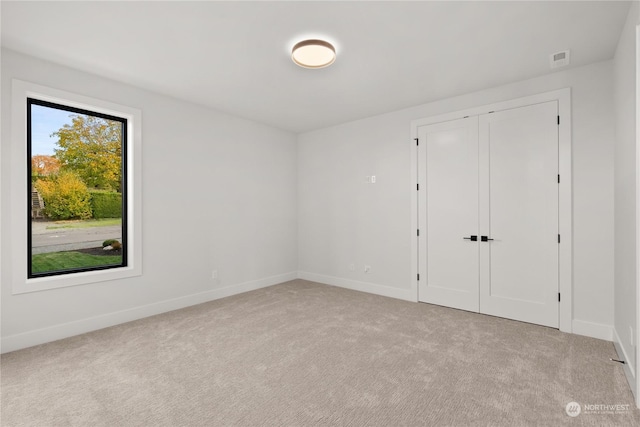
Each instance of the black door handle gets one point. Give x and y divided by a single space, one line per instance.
472 238
484 239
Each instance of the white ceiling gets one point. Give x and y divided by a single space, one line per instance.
235 56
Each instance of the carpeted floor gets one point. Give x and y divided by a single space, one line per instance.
305 354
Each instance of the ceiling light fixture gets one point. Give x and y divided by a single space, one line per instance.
313 54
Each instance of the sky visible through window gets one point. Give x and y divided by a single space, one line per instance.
44 122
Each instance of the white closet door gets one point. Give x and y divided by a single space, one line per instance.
519 211
448 262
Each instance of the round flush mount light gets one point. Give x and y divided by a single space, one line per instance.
313 53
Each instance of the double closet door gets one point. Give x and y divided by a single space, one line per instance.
489 223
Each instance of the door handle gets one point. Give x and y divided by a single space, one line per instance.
484 239
472 238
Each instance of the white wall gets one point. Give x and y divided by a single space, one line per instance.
219 192
343 220
625 194
222 192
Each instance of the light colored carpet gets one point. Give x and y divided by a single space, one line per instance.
305 354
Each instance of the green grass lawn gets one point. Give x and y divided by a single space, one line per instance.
56 261
89 223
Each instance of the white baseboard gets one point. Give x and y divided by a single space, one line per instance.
386 291
593 330
629 370
65 330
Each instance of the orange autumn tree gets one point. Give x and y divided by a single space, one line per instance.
43 165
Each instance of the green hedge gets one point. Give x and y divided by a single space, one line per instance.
105 204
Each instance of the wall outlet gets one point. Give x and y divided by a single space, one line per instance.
367 268
214 274
373 179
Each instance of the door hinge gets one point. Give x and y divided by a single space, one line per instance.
416 140
558 238
558 296
417 187
558 119
418 232
418 276
558 178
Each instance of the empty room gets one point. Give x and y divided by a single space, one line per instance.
297 213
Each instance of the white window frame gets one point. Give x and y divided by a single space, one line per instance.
19 214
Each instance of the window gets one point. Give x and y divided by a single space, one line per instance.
75 189
76 161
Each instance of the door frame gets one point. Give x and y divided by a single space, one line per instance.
637 334
565 250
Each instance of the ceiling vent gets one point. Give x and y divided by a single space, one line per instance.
560 59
